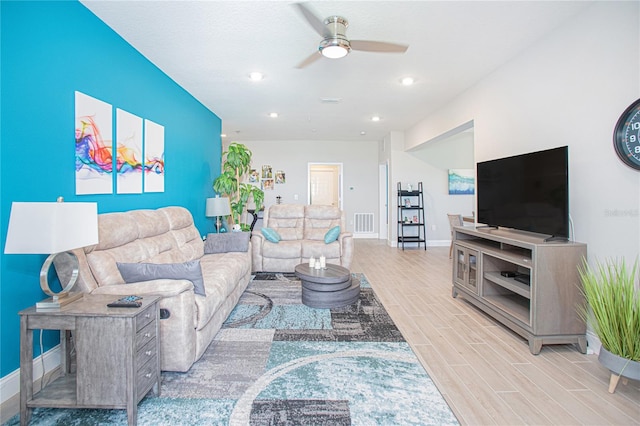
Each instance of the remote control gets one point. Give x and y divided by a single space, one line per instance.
125 304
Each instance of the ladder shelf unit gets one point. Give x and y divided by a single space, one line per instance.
411 224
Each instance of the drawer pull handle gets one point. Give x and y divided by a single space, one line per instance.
148 375
147 334
148 353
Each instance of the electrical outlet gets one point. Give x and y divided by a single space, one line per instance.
295 197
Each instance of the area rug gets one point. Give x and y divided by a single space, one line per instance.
278 362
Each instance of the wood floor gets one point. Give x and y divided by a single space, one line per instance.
484 371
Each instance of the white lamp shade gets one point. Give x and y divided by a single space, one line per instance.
218 206
46 228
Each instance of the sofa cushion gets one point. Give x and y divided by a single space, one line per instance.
313 248
332 235
287 220
221 272
227 242
319 220
136 272
283 249
271 235
187 236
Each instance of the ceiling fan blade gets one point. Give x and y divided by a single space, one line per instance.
309 60
378 46
316 23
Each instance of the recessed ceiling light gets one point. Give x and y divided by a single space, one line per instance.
407 81
273 114
256 76
223 135
375 118
363 133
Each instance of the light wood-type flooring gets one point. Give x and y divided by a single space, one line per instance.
484 371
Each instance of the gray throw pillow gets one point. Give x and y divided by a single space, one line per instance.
227 242
136 272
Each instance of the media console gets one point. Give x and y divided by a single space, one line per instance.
487 262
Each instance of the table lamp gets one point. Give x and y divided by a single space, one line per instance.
217 207
53 229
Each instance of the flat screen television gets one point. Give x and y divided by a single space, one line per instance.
528 192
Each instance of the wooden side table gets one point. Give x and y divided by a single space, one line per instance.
117 355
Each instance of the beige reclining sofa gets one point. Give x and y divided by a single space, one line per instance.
300 232
141 240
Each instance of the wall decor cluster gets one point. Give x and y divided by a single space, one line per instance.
139 148
461 182
266 177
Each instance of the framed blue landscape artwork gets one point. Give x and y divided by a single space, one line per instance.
461 182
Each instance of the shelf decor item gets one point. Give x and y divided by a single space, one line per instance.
612 308
236 164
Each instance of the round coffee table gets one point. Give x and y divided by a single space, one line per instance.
331 287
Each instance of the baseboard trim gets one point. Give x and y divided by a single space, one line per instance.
366 235
10 384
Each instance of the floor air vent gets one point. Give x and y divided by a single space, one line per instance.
363 223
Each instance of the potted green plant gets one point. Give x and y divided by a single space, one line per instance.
612 308
235 165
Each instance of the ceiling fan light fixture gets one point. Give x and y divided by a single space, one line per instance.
335 48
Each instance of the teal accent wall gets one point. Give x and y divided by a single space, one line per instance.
51 49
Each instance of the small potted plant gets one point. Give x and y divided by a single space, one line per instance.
236 164
612 308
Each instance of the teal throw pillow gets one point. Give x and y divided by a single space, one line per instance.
332 235
270 235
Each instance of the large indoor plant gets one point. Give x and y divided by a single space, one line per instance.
236 163
612 296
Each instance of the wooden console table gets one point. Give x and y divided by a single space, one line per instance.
117 354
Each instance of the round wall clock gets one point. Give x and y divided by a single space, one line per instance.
626 136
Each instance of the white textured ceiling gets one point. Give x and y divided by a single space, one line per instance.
210 47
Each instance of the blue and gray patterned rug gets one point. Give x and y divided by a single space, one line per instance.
278 362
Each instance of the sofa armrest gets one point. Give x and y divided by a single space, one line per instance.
257 240
345 240
345 235
162 287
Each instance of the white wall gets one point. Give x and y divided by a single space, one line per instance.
567 89
429 163
360 169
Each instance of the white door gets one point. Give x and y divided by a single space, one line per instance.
325 184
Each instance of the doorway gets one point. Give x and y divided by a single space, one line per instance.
325 184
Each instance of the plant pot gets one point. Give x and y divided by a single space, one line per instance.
619 367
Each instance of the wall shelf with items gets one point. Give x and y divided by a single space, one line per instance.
411 224
527 284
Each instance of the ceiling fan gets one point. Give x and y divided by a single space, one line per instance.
335 43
